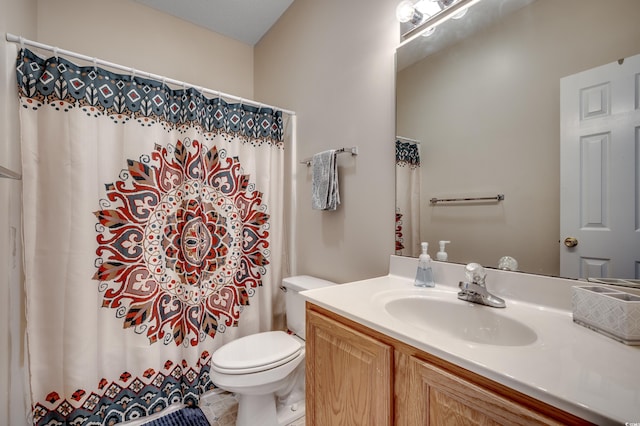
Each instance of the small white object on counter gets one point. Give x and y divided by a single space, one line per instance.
614 313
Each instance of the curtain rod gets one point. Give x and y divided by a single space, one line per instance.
22 41
407 139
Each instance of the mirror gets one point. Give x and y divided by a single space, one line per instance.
485 106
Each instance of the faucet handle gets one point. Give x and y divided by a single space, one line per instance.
475 273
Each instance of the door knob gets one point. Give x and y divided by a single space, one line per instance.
570 242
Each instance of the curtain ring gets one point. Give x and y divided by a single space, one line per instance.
21 39
55 53
133 76
95 64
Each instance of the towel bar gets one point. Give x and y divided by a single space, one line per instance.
6 173
353 150
498 197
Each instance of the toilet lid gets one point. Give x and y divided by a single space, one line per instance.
256 352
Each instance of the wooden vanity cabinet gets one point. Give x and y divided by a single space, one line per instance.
357 376
348 375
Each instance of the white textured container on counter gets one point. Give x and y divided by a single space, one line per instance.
608 311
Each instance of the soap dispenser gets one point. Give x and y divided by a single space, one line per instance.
424 274
442 254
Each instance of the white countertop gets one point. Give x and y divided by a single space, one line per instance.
567 366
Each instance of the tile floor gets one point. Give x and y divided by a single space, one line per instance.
221 409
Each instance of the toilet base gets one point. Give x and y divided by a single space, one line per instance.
261 410
257 410
288 414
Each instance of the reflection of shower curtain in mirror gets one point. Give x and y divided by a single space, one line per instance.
407 198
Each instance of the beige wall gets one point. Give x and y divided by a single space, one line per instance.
17 17
137 36
332 61
490 123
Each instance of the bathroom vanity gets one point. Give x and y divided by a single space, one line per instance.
382 352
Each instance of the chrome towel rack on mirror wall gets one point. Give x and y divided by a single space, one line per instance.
497 199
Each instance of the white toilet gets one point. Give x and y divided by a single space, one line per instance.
266 370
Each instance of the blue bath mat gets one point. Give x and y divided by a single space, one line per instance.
183 417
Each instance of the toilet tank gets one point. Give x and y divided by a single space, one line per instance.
295 303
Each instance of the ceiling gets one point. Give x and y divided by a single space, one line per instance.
243 20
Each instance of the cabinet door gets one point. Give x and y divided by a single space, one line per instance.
348 375
436 397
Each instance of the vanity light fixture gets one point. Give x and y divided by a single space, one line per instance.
434 13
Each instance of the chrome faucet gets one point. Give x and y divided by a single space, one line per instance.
474 289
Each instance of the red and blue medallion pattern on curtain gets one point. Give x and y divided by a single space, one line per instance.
124 310
181 244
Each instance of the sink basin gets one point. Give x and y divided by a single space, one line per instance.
464 320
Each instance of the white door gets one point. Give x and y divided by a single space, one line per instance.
600 173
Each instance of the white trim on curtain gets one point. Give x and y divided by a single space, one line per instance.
407 198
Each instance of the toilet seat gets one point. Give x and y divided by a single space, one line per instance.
256 352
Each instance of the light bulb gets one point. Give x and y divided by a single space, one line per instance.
428 31
405 12
428 7
460 14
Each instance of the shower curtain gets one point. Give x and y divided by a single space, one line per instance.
152 234
407 198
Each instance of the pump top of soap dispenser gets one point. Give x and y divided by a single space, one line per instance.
442 254
425 248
